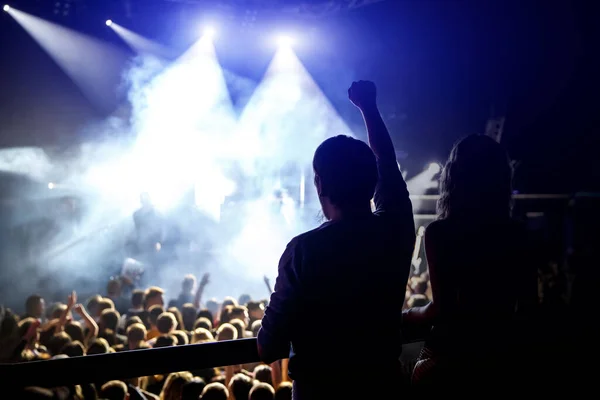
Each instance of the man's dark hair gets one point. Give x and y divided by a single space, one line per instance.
136 333
347 170
75 331
182 337
98 346
105 304
203 323
92 304
57 342
166 323
73 349
255 306
262 373
165 341
31 304
133 320
206 313
154 312
152 292
113 390
262 391
256 325
284 391
109 319
215 391
240 386
240 327
192 390
137 298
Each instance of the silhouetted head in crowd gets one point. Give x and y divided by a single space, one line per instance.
182 337
240 328
137 299
92 305
35 306
240 386
192 390
284 391
109 319
145 200
57 310
173 387
241 313
229 301
136 334
166 323
153 297
75 331
345 176
105 304
203 323
73 349
215 391
57 342
98 346
153 313
165 341
133 320
476 181
226 332
114 390
188 316
263 373
244 299
188 284
177 314
256 310
35 393
202 335
262 391
24 326
206 313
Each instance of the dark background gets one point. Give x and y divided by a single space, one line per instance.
442 67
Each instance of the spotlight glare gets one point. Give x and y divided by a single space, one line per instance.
6 7
209 32
434 168
109 22
50 185
285 41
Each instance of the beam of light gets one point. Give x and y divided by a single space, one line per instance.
32 162
94 66
423 182
138 43
183 118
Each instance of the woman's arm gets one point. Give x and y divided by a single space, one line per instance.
88 321
71 300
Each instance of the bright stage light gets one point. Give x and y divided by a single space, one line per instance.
50 185
209 32
285 41
109 22
6 7
434 168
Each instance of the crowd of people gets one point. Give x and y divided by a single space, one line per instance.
339 307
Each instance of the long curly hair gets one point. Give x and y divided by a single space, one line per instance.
476 183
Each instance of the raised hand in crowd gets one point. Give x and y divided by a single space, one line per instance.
204 281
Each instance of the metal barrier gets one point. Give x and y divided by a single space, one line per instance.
129 364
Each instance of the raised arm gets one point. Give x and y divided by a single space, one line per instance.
88 321
391 194
203 282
